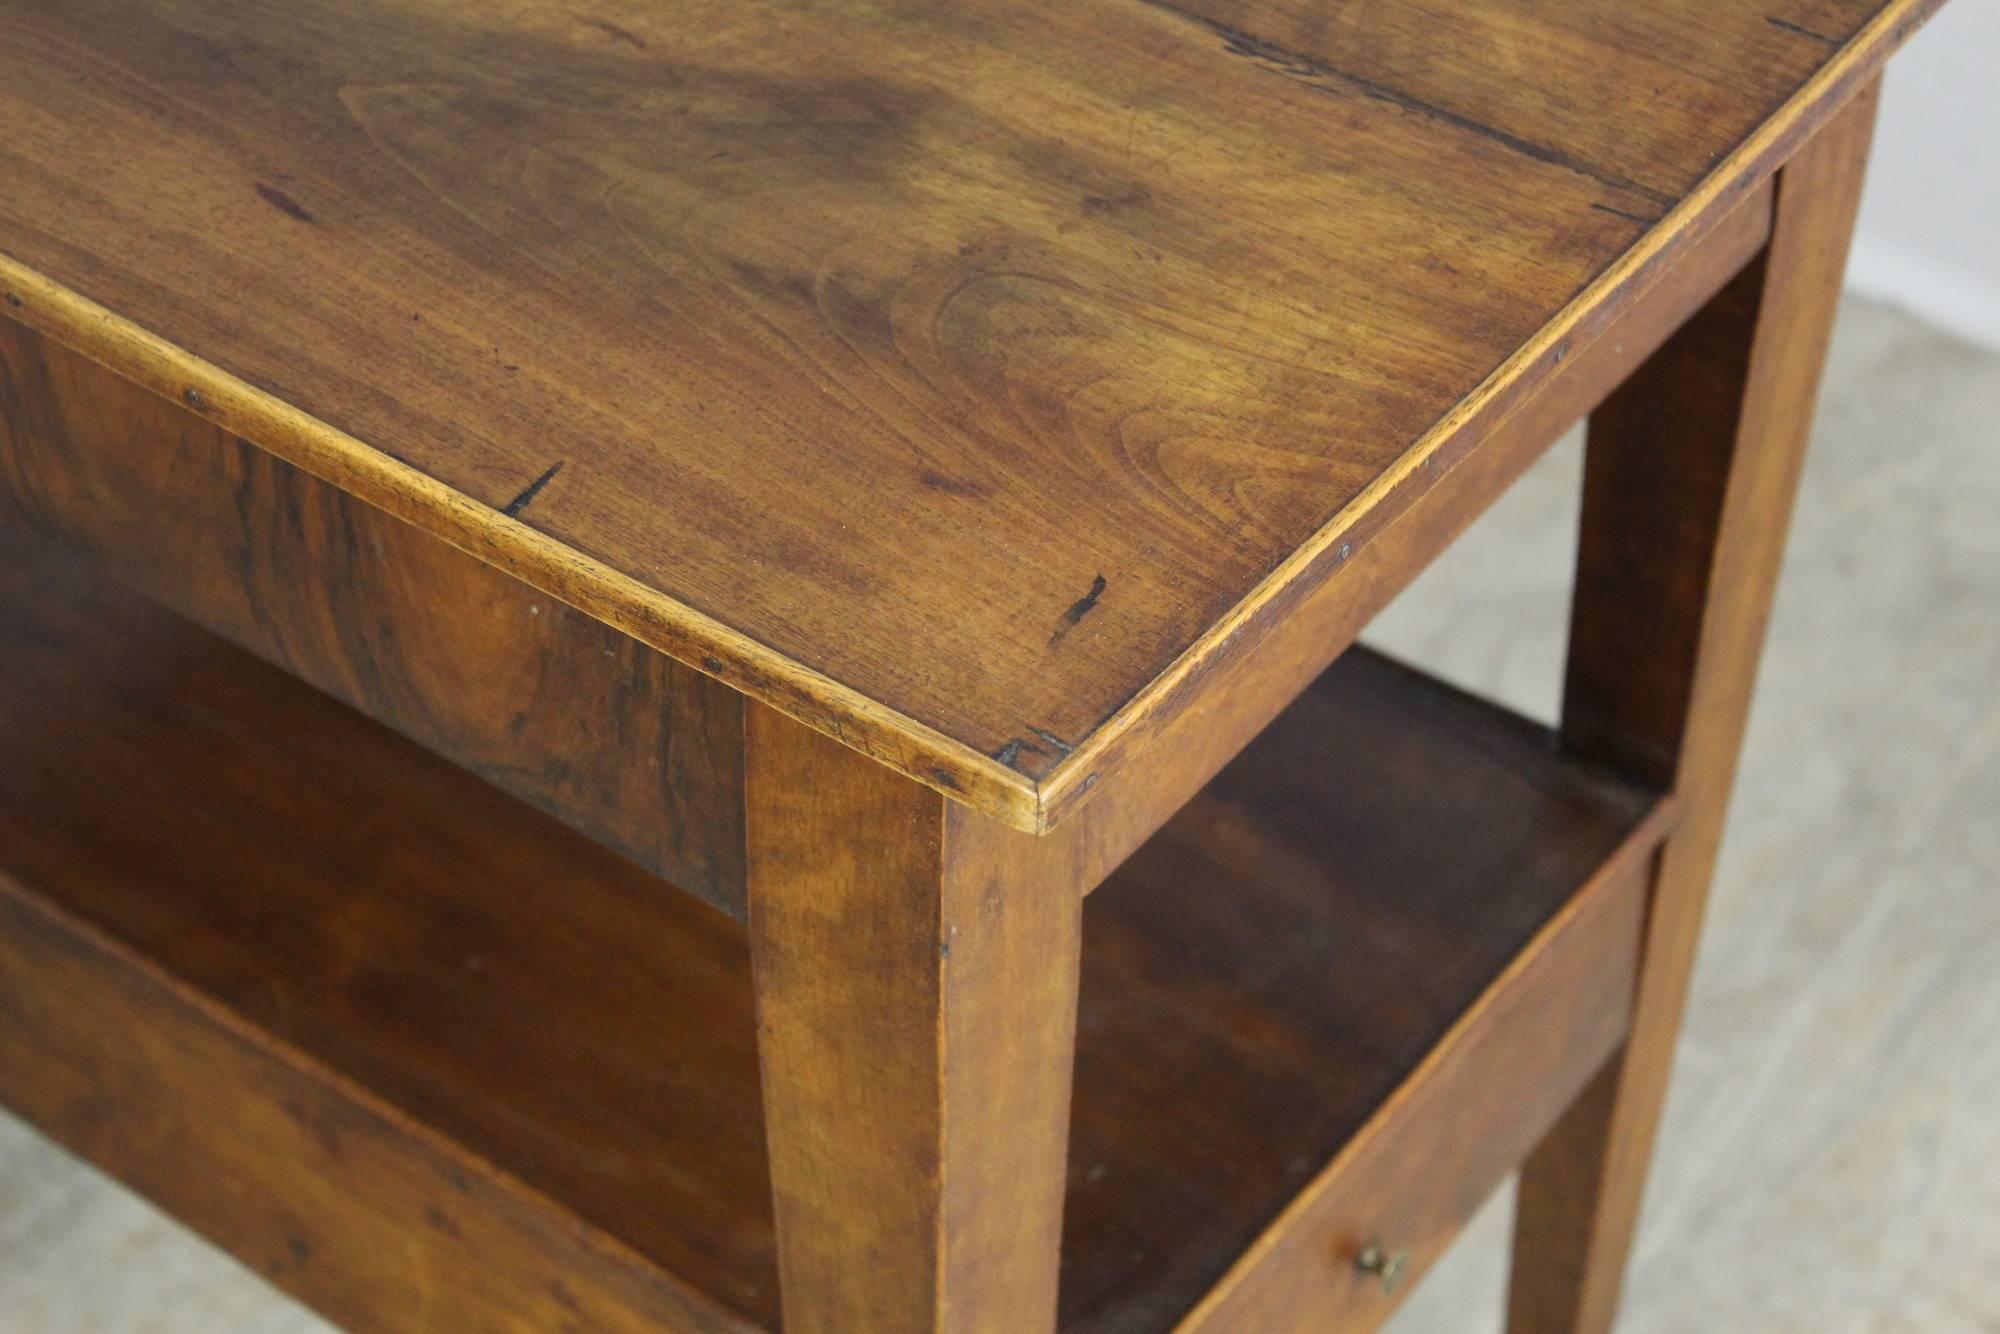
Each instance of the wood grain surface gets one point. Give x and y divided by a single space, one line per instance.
395 1039
1296 639
1288 950
1688 488
614 738
916 969
315 1182
1409 1180
313 899
963 380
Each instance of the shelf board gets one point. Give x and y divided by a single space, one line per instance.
1267 969
199 856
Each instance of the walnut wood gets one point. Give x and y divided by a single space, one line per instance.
315 1181
1555 78
1456 1128
1296 640
967 381
242 892
916 971
382 1031
616 739
1290 949
1691 472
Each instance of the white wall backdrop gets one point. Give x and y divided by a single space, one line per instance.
1929 235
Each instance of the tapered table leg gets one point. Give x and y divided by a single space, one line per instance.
916 972
1691 470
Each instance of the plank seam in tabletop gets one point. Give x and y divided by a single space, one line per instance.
1300 65
1090 760
1736 174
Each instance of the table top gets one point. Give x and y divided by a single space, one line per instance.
956 377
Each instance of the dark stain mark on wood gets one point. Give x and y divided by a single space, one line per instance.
1625 214
1062 747
1317 74
953 486
945 779
1079 609
300 1248
193 397
14 300
283 202
440 1220
616 33
713 666
512 368
1051 747
1086 604
1799 29
526 498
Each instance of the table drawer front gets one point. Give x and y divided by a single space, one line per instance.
1450 1135
610 736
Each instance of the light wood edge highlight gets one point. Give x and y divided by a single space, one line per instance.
1738 174
689 636
885 735
1641 844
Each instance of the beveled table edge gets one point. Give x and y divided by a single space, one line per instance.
908 745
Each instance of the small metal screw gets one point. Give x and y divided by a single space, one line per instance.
1386 1265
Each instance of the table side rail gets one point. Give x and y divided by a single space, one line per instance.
309 1178
612 737
1352 1244
1249 687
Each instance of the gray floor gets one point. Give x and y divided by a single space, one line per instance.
1831 1159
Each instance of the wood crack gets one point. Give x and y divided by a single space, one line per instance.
623 36
534 488
1079 609
1627 214
1800 30
1062 747
1315 73
283 202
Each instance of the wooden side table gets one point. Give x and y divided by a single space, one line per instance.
887 472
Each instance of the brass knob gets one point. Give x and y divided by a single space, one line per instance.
1386 1265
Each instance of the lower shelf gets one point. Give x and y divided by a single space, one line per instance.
430 1060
